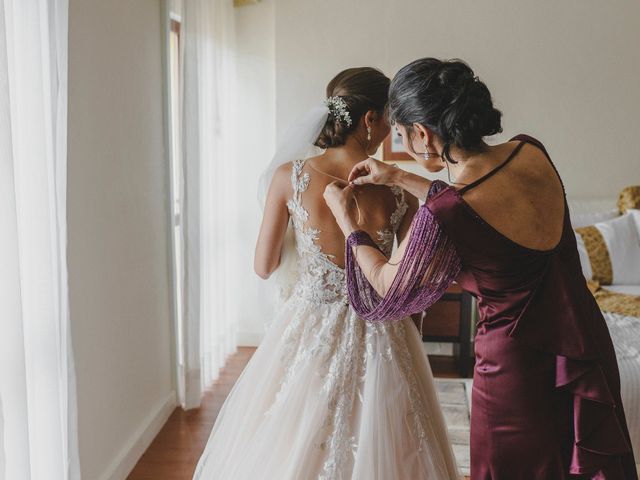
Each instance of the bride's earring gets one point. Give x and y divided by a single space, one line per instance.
369 133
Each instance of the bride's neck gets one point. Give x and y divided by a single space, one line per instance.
351 152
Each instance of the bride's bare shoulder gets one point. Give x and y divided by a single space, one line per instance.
284 170
281 182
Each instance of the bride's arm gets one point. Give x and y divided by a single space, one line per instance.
274 223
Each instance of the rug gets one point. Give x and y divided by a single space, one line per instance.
455 400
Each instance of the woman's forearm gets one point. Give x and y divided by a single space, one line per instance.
372 263
379 270
414 184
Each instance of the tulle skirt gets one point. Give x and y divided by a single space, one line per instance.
328 396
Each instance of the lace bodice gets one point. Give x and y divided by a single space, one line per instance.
321 280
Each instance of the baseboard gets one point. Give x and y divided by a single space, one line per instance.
133 449
248 339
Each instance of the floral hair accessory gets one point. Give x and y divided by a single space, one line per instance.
338 108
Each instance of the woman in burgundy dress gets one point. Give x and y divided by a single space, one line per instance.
546 391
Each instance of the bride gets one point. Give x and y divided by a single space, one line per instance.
327 395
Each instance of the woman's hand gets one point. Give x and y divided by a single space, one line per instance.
375 172
380 173
340 200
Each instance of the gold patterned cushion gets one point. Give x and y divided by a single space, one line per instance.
621 303
601 269
629 198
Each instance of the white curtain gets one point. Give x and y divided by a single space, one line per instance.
37 384
211 294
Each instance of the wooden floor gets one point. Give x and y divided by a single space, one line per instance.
174 453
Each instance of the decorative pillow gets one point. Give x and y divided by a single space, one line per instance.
612 249
589 212
584 258
584 219
629 198
636 216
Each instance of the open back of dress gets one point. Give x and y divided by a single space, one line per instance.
381 209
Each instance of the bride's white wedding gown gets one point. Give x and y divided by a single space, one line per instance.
327 395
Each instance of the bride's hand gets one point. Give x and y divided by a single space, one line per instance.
375 172
339 197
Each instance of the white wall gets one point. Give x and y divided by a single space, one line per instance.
118 241
565 71
255 44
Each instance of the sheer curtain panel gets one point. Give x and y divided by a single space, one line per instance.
211 295
38 435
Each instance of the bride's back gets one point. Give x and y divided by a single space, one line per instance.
351 127
381 209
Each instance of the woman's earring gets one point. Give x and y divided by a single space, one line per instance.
369 133
427 153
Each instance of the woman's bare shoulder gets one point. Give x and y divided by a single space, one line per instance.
535 168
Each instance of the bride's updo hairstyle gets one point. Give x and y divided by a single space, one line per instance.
446 97
362 89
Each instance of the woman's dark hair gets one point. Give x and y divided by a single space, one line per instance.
362 89
447 97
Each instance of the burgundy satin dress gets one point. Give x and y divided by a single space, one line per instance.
546 392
